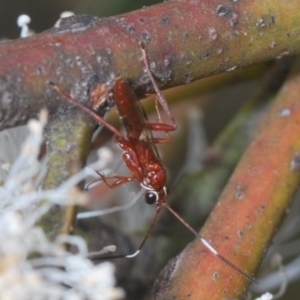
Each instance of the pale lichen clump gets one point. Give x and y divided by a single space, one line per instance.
23 21
266 296
32 267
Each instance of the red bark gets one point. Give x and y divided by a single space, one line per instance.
185 40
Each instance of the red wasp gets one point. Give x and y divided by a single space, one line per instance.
140 154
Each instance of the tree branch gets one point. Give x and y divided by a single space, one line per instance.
185 40
249 211
68 145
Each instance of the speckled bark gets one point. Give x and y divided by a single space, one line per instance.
249 210
185 40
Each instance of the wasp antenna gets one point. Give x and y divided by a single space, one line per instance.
229 263
207 245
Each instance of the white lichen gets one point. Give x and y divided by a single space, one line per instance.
23 21
32 266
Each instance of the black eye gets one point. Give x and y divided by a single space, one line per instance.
151 197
